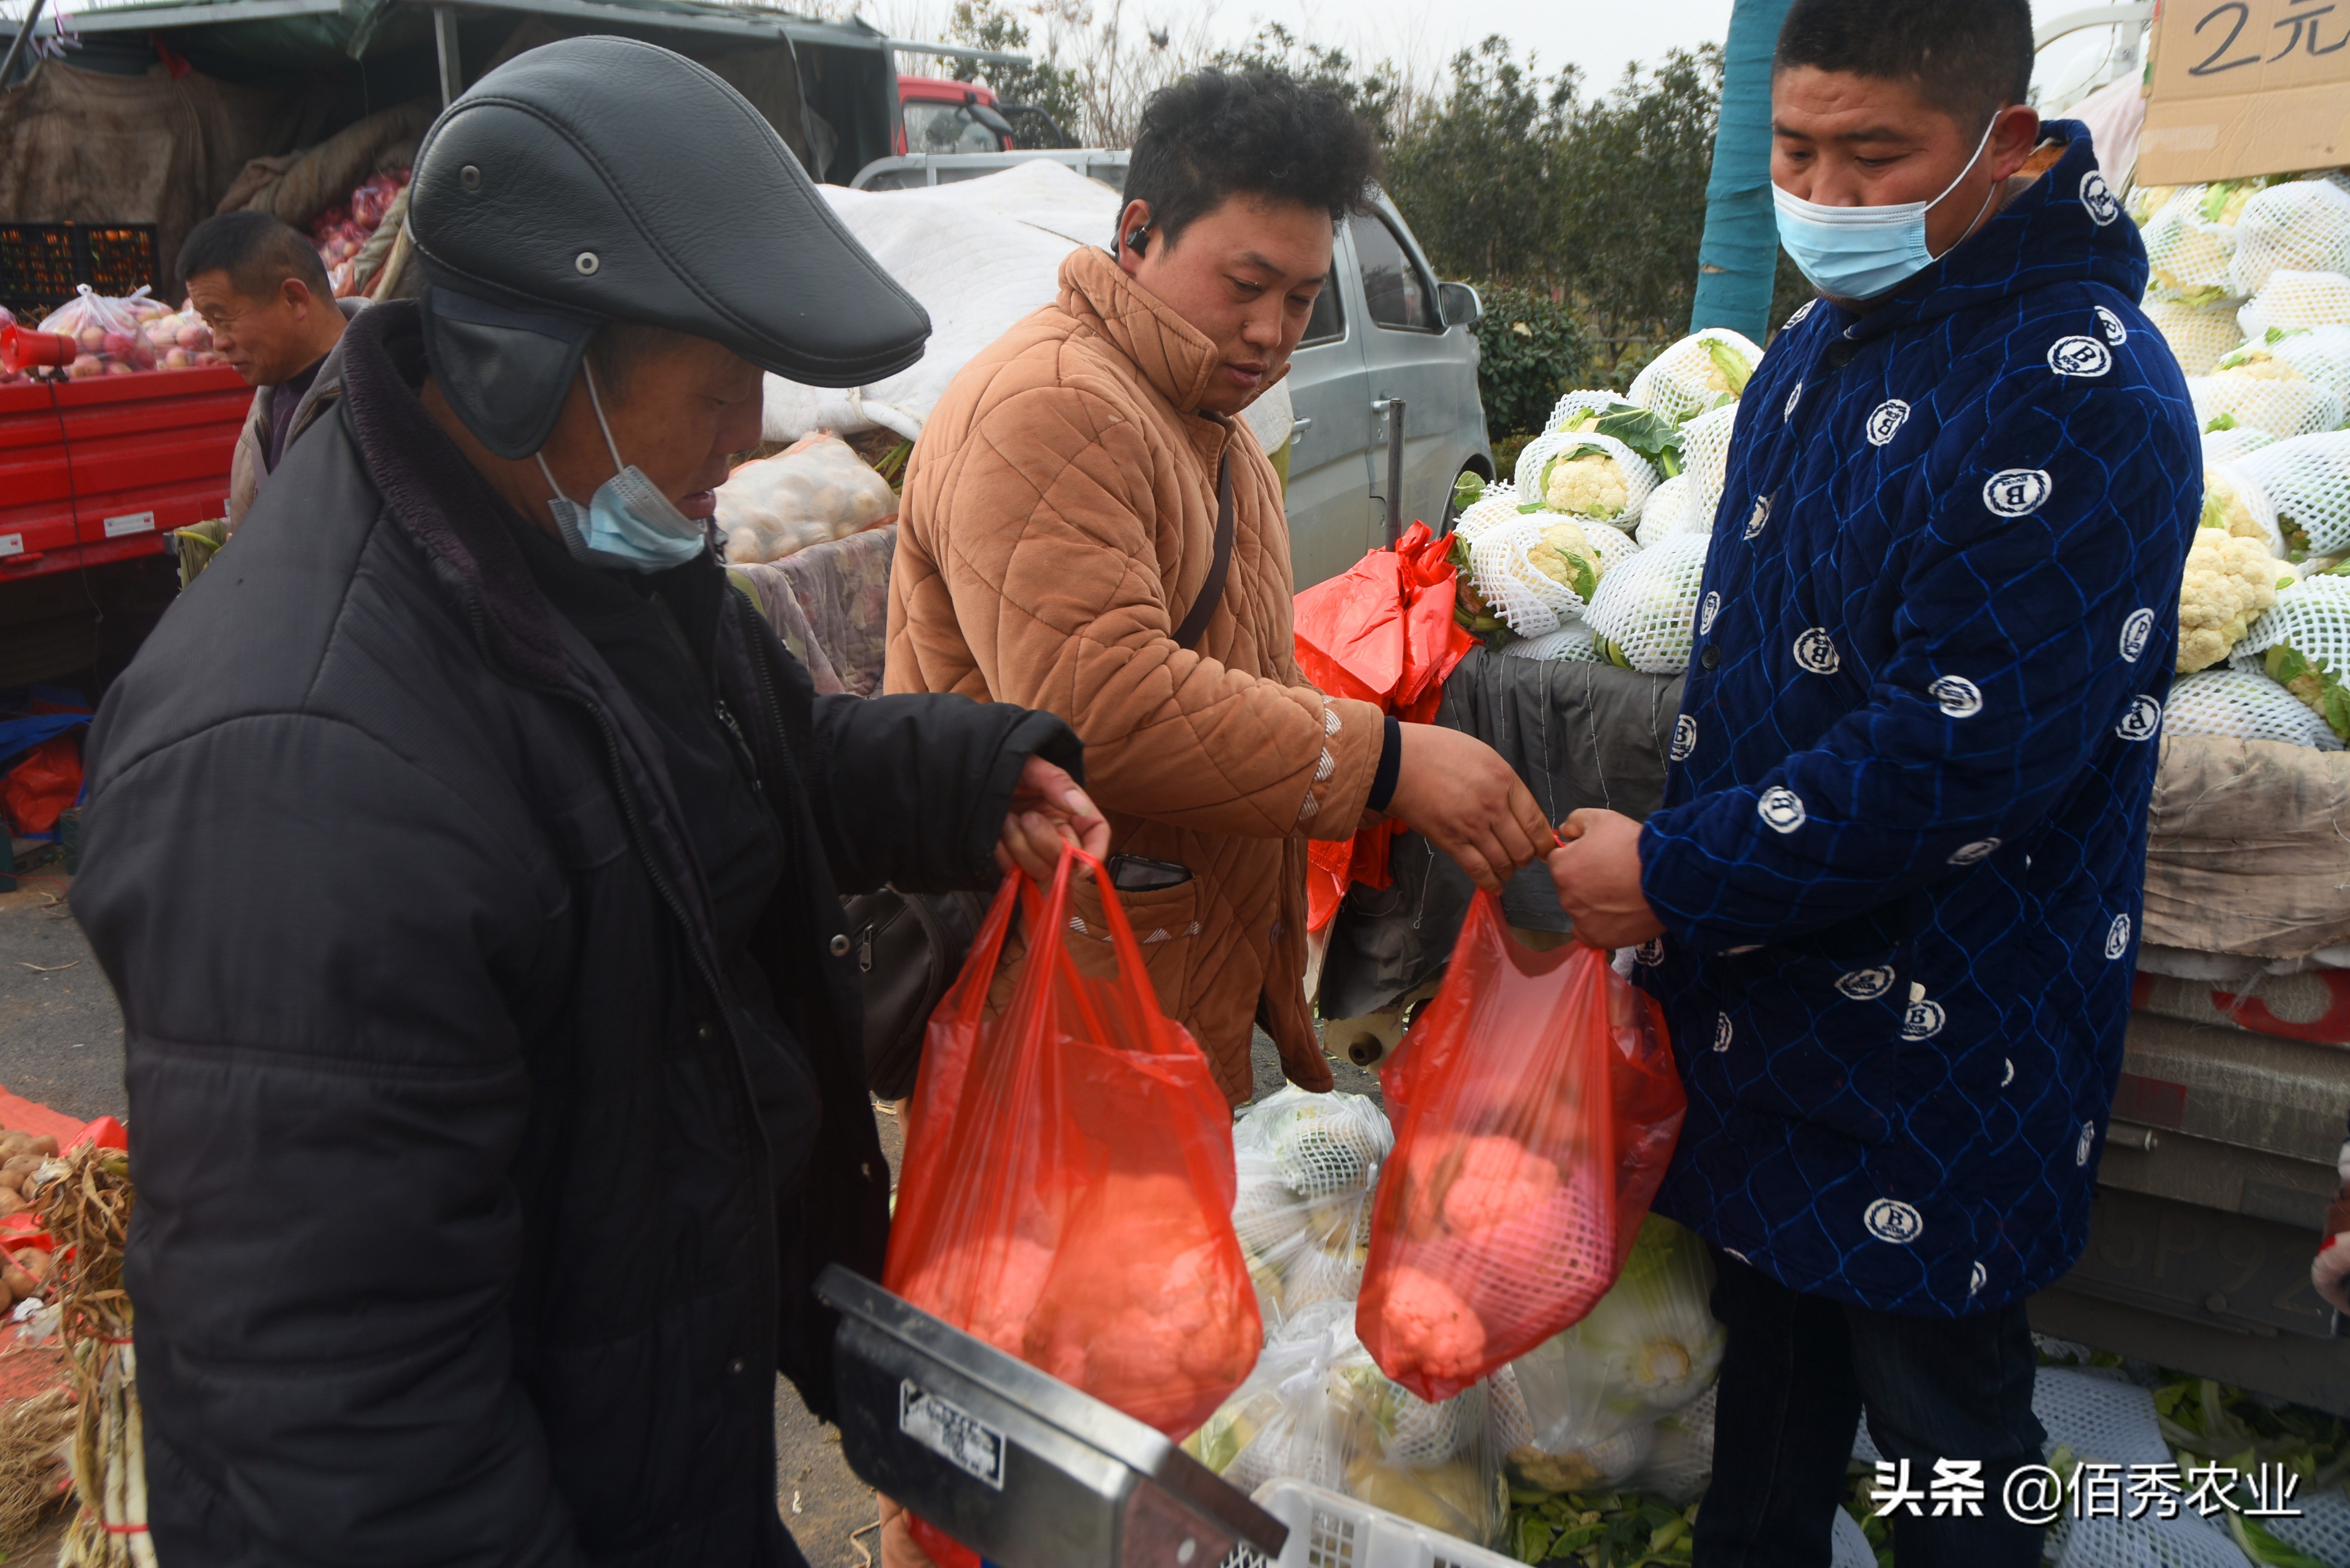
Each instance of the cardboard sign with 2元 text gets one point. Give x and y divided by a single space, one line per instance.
2246 87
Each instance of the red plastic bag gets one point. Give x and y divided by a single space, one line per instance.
1535 1105
1381 632
1068 1184
42 783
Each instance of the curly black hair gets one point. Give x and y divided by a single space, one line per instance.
1216 133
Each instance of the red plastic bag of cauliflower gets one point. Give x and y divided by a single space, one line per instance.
1068 1184
1535 1104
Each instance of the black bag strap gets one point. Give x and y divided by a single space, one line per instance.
1211 592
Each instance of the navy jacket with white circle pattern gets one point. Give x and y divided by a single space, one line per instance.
1900 857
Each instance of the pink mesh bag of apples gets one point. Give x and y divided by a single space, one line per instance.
1535 1104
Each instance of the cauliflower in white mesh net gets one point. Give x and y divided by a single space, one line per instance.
2302 643
2303 224
1696 373
1577 408
2319 354
2190 243
2268 395
1668 511
1582 474
2307 480
2234 505
2243 705
2198 334
2291 298
2227 441
1644 610
2228 580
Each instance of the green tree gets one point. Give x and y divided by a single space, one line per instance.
1475 177
1039 99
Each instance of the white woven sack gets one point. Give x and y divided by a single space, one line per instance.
2229 483
1639 475
2284 409
1665 511
2198 334
2307 480
1647 605
1684 378
2223 447
2243 705
2303 224
2297 299
2187 257
1587 402
1570 644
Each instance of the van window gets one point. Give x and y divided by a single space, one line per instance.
947 128
1329 322
1395 291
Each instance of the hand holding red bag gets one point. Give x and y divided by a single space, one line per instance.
1536 1104
1069 1185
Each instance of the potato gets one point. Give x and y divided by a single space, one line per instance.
37 1261
14 1171
44 1143
17 1283
13 1144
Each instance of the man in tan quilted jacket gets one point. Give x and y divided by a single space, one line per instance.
1060 522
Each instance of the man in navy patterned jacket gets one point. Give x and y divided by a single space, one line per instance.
1890 902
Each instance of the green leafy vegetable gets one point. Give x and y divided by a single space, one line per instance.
2220 423
1730 363
1468 490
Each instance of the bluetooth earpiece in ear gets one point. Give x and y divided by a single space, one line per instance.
1137 238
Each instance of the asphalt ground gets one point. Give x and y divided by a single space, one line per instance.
61 1044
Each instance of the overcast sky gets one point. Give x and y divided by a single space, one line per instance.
1598 35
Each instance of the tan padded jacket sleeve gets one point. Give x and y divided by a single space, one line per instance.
1047 548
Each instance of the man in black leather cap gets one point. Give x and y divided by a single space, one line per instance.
466 857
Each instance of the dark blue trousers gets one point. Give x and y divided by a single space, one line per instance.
1799 1371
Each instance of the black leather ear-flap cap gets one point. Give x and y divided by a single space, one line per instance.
505 370
614 180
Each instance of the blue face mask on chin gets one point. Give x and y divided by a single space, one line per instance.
628 522
1859 253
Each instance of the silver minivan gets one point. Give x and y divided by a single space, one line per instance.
1383 331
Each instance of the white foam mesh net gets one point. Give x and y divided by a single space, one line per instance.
1306 1166
2283 408
1587 402
2240 502
2293 299
1570 644
2222 447
2105 1420
2198 334
2317 354
1705 457
2243 705
1847 1546
1498 504
1536 459
2187 255
2307 480
1646 605
2323 1531
1502 569
1681 1461
2303 224
1667 512
1687 376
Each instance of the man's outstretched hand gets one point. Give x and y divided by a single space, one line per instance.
1048 810
1596 868
1455 791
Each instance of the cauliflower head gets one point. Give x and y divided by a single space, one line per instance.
2229 581
1499 1179
1432 1329
2225 509
1586 483
2256 363
1566 557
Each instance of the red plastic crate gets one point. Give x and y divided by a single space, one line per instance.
99 470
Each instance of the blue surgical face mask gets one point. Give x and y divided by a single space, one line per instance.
1859 253
629 522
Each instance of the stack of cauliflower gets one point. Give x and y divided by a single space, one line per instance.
2251 287
1594 550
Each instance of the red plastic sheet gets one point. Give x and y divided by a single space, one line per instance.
1381 632
1536 1104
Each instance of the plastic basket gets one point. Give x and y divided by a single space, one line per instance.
1326 1530
42 264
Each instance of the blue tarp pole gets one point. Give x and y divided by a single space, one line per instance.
1740 252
